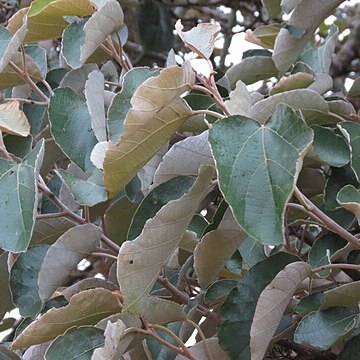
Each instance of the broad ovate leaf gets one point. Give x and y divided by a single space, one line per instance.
13 120
94 94
200 39
19 200
258 166
140 261
85 308
9 44
43 12
184 158
157 112
71 126
349 198
63 256
306 16
271 305
299 80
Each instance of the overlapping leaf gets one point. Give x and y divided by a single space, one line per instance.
258 167
271 305
140 260
18 201
13 120
85 308
157 112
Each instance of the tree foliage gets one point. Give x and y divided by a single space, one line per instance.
152 208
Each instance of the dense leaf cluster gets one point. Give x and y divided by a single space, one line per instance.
140 206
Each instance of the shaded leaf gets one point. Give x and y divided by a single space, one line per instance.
76 79
354 91
63 256
24 278
351 131
85 308
238 309
272 7
249 162
199 39
157 112
71 127
271 306
351 349
299 80
13 120
329 147
36 352
155 200
19 200
324 328
184 158
76 343
346 295
85 192
6 302
140 260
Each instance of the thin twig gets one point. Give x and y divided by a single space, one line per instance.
101 254
202 336
208 112
51 216
329 223
336 266
28 101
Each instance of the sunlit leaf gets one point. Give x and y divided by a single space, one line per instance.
13 120
200 39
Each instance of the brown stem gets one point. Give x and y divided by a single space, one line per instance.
28 101
71 215
208 112
52 215
336 266
329 223
101 254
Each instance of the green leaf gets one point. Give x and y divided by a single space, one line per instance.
85 192
184 158
351 349
76 79
95 305
63 256
155 26
76 343
13 120
140 261
349 198
120 105
252 173
329 147
351 131
24 276
117 219
306 17
238 309
219 290
319 57
322 329
299 80
272 7
6 354
157 112
322 250
310 303
249 71
199 39
18 201
71 127
272 304
39 55
6 302
155 200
